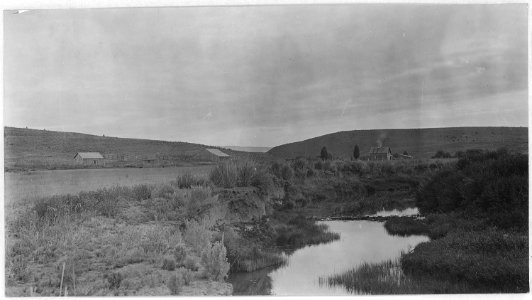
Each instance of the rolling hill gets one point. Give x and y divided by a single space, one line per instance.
42 149
421 143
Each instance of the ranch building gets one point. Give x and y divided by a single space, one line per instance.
380 153
217 155
89 158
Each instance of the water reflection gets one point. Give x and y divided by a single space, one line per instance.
360 241
411 211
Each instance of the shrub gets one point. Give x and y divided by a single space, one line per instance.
18 267
224 174
355 167
197 235
287 173
276 169
300 167
174 284
443 193
199 197
187 275
141 192
404 226
191 263
324 154
489 184
156 240
162 191
114 279
214 260
169 264
180 253
263 181
442 154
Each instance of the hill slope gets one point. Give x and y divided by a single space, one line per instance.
39 149
248 149
421 143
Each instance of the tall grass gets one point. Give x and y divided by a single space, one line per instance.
188 180
225 174
388 278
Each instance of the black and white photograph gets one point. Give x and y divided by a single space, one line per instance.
265 149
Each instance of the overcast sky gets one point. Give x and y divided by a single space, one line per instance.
265 75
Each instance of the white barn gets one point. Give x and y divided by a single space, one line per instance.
89 158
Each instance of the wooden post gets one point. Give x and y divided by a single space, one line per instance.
62 275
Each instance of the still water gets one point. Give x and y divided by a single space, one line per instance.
360 241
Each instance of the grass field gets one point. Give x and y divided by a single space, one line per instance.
31 185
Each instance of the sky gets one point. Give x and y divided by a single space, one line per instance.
265 75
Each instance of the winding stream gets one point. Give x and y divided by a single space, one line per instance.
360 241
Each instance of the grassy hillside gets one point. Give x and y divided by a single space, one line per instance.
421 143
38 149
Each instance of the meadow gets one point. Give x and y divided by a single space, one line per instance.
24 186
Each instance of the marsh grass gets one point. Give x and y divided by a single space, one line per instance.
387 278
225 174
489 259
299 231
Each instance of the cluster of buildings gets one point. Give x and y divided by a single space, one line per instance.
384 153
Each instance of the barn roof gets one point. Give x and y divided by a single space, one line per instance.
89 155
217 152
379 150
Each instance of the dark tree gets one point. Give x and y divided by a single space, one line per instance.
324 154
356 152
405 153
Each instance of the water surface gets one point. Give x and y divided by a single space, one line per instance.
360 241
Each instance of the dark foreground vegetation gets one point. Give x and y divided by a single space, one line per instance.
182 238
476 213
186 236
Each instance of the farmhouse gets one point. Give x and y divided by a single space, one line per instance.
149 160
216 155
89 158
380 153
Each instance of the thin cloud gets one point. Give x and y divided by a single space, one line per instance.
265 75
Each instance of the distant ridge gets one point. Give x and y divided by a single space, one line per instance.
421 143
